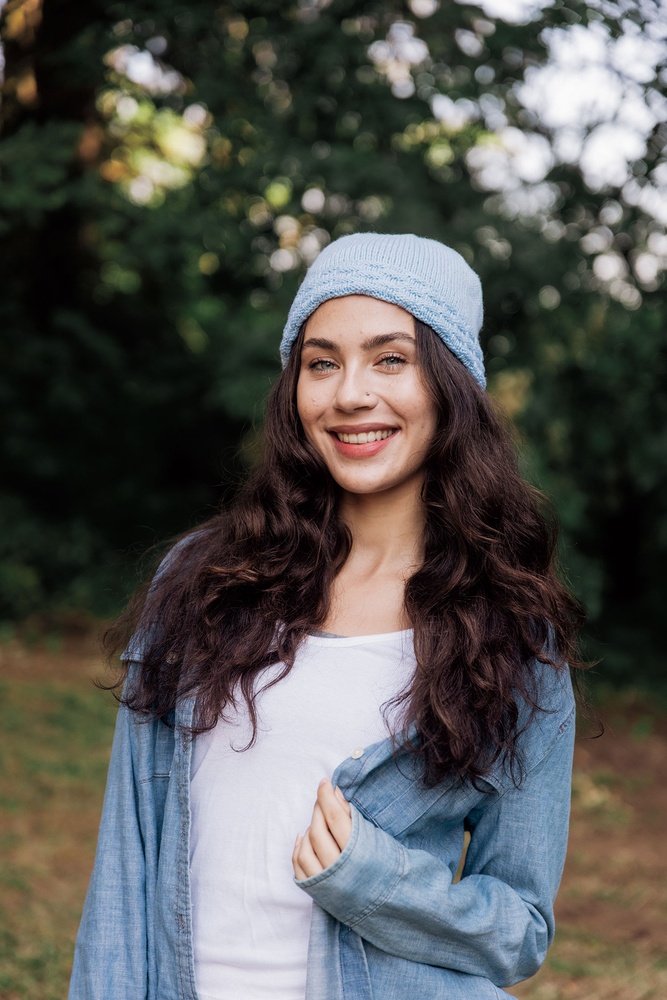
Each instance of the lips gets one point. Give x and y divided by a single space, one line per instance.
360 441
365 437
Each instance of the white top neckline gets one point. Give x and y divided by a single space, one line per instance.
358 640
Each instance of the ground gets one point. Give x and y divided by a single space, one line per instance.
56 730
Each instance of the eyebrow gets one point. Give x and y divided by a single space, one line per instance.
370 344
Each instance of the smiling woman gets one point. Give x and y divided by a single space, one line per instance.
368 651
361 395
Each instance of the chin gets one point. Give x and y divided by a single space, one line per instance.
364 487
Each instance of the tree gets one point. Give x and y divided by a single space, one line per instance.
155 235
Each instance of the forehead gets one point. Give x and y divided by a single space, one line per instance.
359 315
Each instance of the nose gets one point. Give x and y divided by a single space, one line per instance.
353 391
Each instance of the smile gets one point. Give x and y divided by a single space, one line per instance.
365 437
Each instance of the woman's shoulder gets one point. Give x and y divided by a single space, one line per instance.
547 715
179 562
547 679
186 552
552 683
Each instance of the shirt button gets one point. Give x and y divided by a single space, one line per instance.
356 754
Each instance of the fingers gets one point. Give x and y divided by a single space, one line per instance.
336 813
323 839
296 865
305 861
343 801
327 835
317 849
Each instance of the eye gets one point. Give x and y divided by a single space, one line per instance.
392 360
321 365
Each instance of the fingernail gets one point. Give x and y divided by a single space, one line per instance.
323 781
297 841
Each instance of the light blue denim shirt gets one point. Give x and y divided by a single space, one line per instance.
389 922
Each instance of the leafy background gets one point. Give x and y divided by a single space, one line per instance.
167 171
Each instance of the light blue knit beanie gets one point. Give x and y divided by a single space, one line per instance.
428 279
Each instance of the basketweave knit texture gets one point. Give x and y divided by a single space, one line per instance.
425 277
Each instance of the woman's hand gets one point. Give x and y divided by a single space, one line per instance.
327 835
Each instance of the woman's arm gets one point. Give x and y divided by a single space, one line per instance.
110 960
498 920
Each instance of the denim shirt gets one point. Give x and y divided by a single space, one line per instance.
389 922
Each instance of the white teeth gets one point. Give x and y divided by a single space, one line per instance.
365 438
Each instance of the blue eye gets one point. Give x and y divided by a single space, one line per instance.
392 360
321 365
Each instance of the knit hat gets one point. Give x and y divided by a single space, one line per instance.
427 278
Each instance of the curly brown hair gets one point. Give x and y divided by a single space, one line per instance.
241 592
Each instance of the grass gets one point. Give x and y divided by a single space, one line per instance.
56 734
53 760
585 966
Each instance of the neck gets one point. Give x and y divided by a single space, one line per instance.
387 528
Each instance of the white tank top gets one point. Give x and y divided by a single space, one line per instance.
250 921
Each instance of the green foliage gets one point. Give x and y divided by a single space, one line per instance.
155 227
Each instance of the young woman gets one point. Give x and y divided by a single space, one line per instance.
366 652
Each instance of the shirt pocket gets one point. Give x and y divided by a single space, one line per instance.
157 771
163 747
395 798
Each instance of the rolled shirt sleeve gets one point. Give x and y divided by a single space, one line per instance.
498 920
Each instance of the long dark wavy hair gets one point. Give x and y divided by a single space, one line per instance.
485 604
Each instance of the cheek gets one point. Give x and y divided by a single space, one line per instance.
307 408
426 424
419 410
301 401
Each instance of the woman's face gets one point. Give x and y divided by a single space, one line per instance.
360 394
